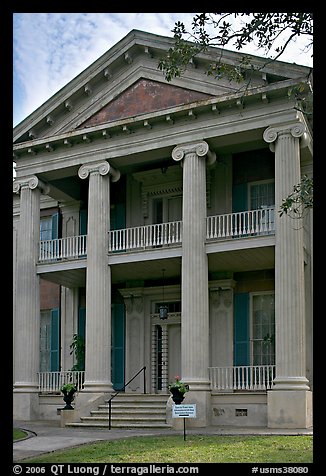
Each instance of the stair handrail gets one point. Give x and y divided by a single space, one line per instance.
143 369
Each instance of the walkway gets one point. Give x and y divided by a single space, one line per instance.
48 436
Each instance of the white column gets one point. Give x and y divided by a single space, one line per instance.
289 285
98 278
195 311
27 321
194 280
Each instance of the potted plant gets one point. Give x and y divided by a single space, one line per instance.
68 391
178 390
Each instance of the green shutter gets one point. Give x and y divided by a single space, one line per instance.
55 341
56 226
118 217
82 321
240 197
83 222
241 329
118 345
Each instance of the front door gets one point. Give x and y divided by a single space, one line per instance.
166 348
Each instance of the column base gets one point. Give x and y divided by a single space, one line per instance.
98 387
289 408
25 405
291 383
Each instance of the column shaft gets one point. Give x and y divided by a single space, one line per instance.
289 265
98 280
194 283
27 322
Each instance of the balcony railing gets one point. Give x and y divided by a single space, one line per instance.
241 224
218 227
148 236
253 377
71 247
51 382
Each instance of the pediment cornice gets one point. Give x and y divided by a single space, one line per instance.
133 57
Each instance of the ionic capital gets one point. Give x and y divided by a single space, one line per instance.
102 168
295 129
201 149
31 182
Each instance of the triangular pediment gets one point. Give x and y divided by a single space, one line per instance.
144 96
125 82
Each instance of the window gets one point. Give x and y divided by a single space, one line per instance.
49 340
262 194
263 328
45 341
46 228
262 197
167 209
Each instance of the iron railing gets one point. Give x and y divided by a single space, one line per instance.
143 369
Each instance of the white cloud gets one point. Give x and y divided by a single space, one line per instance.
50 49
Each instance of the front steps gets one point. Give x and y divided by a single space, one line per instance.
128 411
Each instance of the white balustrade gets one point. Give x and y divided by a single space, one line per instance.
148 236
70 247
227 226
253 377
51 382
241 224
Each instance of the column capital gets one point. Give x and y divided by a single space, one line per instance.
200 148
103 168
31 182
296 129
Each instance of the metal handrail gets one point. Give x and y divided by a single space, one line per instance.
143 369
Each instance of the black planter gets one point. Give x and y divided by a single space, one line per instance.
68 398
177 396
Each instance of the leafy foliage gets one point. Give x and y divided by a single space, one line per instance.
266 30
300 199
68 387
78 348
178 385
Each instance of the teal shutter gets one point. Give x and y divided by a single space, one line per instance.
56 226
118 217
83 222
82 321
240 197
241 329
118 345
55 341
81 330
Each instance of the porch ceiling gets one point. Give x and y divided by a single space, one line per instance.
238 260
250 259
146 270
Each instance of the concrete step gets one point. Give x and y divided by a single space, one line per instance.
129 411
129 425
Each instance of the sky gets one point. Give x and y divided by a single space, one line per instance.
50 49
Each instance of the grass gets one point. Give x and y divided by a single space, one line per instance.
196 449
18 434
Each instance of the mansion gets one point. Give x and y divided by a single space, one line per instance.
147 230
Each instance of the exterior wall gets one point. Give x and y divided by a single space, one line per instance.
247 410
49 294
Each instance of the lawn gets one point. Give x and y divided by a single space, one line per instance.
196 449
18 434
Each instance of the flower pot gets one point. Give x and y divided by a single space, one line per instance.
68 398
177 396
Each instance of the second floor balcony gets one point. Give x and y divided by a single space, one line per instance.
246 224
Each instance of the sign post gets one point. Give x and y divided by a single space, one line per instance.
184 411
